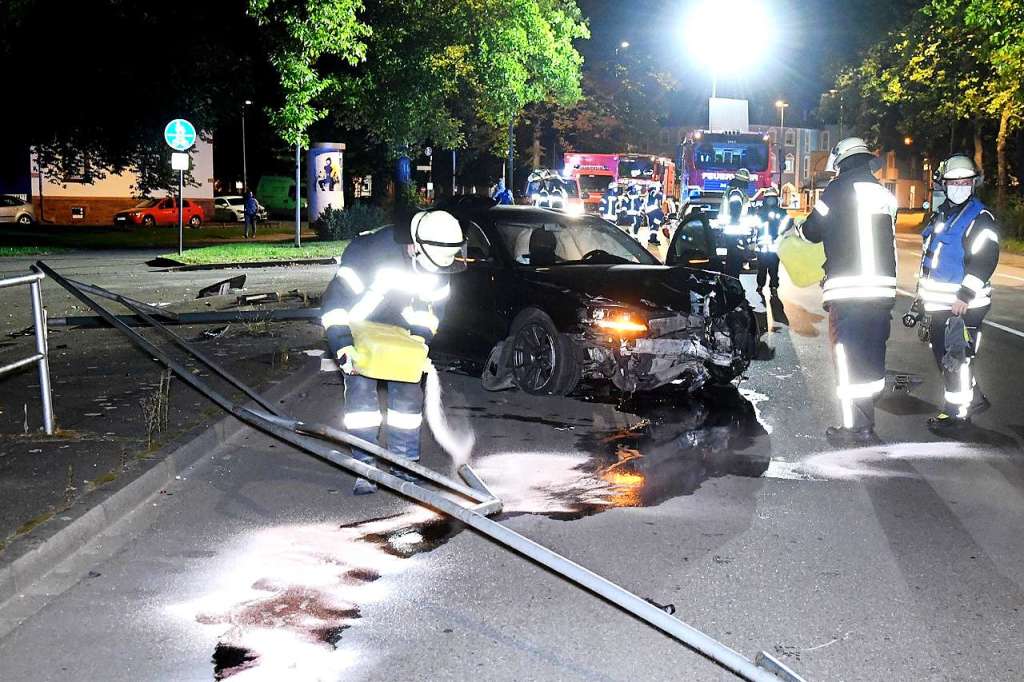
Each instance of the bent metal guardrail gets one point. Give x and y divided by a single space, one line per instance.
40 356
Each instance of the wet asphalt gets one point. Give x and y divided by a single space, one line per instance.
900 562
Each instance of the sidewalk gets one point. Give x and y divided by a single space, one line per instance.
117 413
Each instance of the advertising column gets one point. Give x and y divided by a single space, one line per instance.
325 178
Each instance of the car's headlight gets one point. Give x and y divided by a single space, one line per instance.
618 321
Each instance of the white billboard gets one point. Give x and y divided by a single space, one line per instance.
728 114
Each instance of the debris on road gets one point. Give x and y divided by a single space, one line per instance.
223 287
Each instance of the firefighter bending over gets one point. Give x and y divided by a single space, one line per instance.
382 279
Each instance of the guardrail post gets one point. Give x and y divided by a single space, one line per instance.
42 347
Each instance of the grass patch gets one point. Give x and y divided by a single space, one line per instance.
52 237
13 251
1013 245
254 252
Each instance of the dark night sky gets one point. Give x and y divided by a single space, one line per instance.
811 36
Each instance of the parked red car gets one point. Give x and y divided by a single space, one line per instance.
164 211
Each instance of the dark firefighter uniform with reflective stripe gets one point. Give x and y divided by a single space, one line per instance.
774 221
855 219
376 282
610 204
961 251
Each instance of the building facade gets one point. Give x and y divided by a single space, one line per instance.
92 197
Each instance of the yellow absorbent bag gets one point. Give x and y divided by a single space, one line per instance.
804 262
384 351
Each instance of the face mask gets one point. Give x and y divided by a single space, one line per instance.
958 194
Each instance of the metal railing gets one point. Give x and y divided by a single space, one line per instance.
40 357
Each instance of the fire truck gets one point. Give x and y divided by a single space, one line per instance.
596 171
709 159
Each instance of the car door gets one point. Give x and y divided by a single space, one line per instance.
473 323
693 244
165 212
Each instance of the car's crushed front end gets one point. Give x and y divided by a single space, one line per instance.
643 348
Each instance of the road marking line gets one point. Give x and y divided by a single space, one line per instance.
1002 327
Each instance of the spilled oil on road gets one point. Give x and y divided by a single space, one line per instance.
677 443
286 595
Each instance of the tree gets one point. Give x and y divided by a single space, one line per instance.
108 75
303 34
430 66
1003 22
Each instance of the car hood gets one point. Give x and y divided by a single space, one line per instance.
641 286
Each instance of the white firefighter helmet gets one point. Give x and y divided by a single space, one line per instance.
959 167
437 239
743 175
845 149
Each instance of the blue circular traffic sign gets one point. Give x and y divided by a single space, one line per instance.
180 134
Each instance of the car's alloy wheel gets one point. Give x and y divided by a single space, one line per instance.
542 359
24 219
148 221
195 221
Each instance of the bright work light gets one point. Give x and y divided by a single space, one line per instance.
729 37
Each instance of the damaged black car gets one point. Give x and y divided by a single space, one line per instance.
549 300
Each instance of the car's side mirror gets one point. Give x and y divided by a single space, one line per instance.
475 256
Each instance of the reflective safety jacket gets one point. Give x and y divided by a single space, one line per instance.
634 204
609 204
961 251
376 282
653 201
774 222
855 219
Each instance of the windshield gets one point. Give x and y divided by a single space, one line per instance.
553 243
569 186
147 203
731 155
636 169
595 183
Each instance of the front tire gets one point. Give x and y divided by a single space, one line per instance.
148 221
543 360
195 221
25 219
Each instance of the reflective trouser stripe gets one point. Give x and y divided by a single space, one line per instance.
362 420
404 420
963 398
845 401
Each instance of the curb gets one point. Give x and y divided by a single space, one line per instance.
182 453
177 266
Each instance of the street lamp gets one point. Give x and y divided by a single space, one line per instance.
908 140
245 172
751 32
624 45
781 106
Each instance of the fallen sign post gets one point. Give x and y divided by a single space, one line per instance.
300 435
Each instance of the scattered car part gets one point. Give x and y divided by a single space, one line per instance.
292 431
249 299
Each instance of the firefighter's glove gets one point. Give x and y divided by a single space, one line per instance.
346 360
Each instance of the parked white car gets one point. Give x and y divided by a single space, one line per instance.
16 210
231 208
